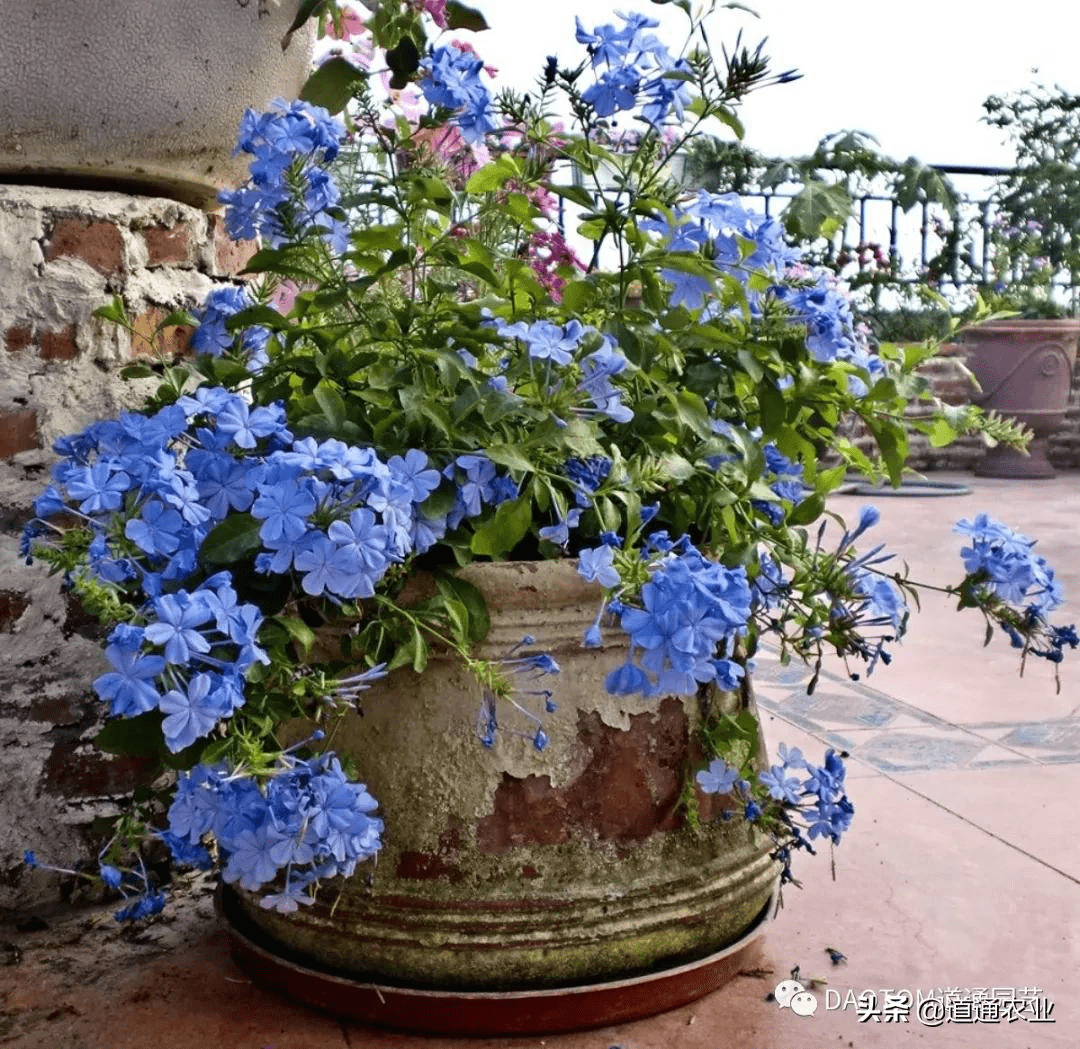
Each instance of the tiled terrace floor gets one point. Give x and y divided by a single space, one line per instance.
962 868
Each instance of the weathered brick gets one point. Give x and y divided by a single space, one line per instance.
230 256
165 244
99 244
17 338
12 605
59 710
18 432
58 345
174 341
74 770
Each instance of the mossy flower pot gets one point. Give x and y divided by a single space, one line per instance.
507 868
1024 368
140 97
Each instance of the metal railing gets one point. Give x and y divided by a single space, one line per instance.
910 242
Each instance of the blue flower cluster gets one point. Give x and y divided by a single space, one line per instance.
691 608
793 810
785 480
452 80
636 69
291 144
307 821
830 325
1002 565
212 335
151 489
1007 566
560 345
136 885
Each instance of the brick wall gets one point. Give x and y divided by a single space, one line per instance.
62 255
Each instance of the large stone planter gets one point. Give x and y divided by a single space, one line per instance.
139 96
1025 370
509 868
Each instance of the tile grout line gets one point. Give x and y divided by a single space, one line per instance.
984 830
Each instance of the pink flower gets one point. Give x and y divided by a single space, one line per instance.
437 10
284 295
351 23
548 253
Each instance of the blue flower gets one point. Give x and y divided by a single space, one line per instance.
597 566
559 533
361 553
718 778
627 680
452 80
152 902
193 713
156 530
251 862
414 473
178 615
129 685
614 91
99 487
284 509
780 786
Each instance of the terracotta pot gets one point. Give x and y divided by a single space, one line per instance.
137 96
509 868
1025 370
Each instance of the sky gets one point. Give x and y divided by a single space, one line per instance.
911 73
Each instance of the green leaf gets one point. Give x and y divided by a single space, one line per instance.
676 467
578 295
808 510
333 84
419 650
458 16
298 630
403 655
471 599
492 176
510 456
114 312
306 9
137 371
404 61
290 261
497 536
578 194
331 403
817 210
593 229
941 433
773 408
137 736
231 540
693 413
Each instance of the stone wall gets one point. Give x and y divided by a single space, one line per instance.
63 254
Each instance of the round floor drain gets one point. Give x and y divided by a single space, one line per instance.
910 489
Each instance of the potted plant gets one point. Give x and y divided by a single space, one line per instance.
1024 359
449 550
